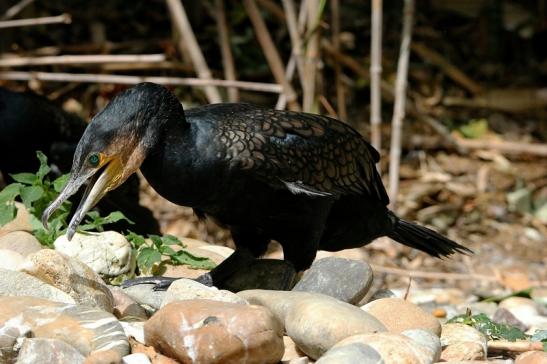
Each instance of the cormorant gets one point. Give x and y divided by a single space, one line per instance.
29 122
305 180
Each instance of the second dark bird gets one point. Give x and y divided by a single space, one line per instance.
307 181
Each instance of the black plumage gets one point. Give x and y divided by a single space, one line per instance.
307 181
30 122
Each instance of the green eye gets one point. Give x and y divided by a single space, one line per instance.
94 160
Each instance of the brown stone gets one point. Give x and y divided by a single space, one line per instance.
104 357
205 331
21 242
532 357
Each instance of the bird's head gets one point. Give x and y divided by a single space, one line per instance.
114 145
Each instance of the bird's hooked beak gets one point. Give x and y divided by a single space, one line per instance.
101 180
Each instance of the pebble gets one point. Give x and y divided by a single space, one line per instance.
134 329
145 295
85 328
107 253
205 331
104 357
137 358
21 242
43 350
408 315
539 295
20 223
13 283
504 316
11 260
427 340
439 312
392 348
291 350
461 342
352 353
344 279
187 289
125 306
70 276
314 321
526 310
532 357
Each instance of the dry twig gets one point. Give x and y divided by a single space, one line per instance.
400 102
225 49
504 146
185 30
376 76
514 346
294 32
63 18
270 52
81 59
15 9
131 80
340 97
312 53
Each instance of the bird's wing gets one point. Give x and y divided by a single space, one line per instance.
305 153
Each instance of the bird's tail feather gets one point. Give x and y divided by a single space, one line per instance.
424 239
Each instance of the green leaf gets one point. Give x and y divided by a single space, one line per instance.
44 168
167 250
172 240
136 239
474 129
115 217
60 182
9 192
147 257
540 335
7 213
26 178
492 330
30 194
156 240
183 257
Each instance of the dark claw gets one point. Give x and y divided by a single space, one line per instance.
160 283
206 279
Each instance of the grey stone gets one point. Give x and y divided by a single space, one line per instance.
427 340
187 289
13 283
39 350
504 316
272 274
125 306
345 279
351 354
145 295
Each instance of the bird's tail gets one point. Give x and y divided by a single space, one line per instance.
424 239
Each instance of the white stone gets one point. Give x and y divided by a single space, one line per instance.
137 358
107 252
11 260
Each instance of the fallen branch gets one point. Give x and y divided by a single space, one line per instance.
81 59
514 346
63 18
311 55
400 102
433 275
448 68
131 80
270 52
184 28
504 146
376 76
15 9
225 49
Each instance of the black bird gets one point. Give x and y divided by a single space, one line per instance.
30 122
307 181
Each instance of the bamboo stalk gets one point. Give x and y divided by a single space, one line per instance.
296 39
270 52
310 60
81 59
184 28
63 18
376 76
15 9
131 80
225 49
340 90
400 102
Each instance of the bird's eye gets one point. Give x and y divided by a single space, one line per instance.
94 160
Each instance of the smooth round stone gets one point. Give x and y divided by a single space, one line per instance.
104 357
107 252
11 260
145 295
187 289
427 340
223 251
21 242
125 306
526 311
85 328
70 276
344 279
399 315
461 342
13 283
20 223
291 350
205 331
350 354
314 321
532 357
49 351
392 348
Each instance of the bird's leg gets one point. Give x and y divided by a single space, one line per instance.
216 277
